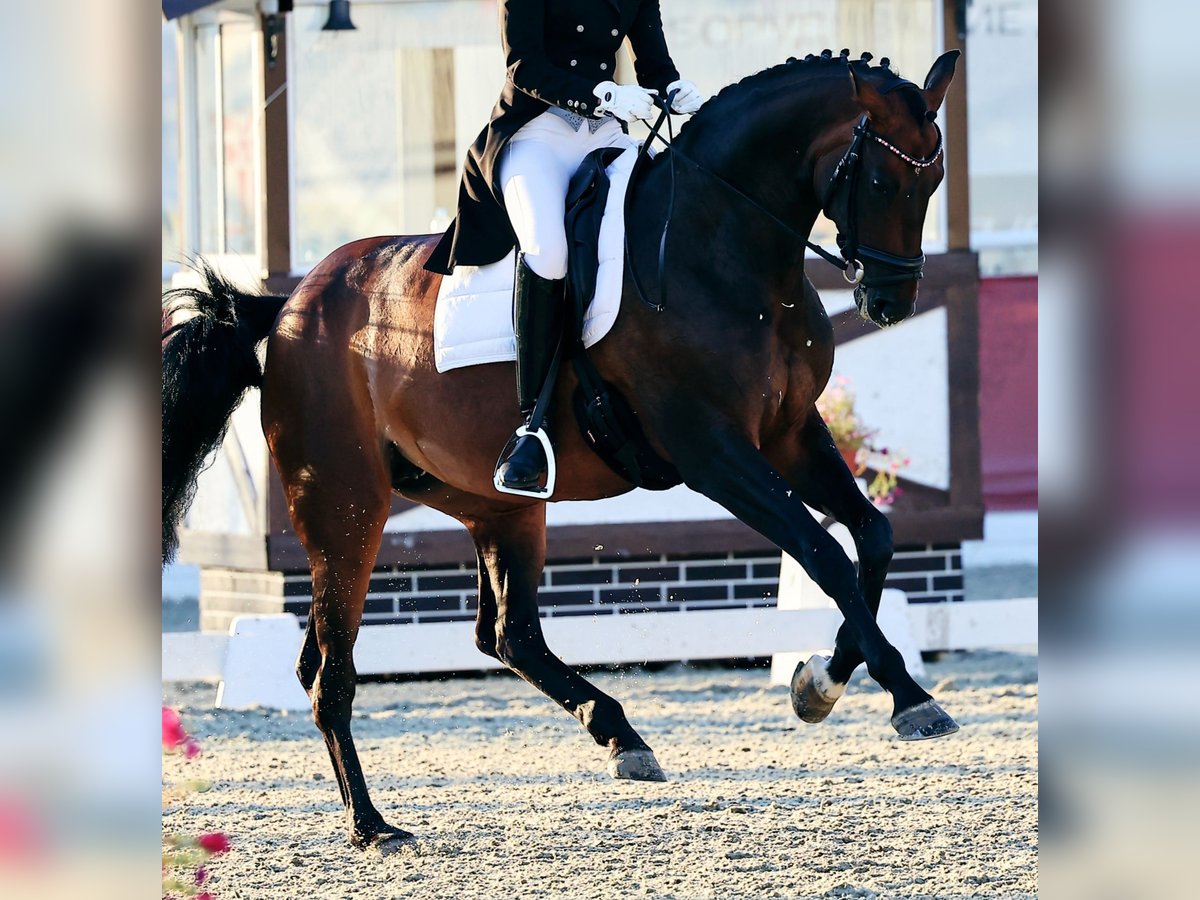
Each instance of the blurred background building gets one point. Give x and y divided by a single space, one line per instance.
283 140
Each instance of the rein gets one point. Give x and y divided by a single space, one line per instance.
642 155
852 252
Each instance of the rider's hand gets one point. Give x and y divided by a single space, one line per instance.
688 100
624 101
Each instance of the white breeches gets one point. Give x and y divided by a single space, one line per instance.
535 169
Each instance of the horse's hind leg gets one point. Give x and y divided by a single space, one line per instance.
307 665
339 499
512 552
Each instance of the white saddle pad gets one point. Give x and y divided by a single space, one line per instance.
472 323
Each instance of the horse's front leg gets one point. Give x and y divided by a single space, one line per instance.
724 465
512 552
814 466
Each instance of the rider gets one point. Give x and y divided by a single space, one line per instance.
558 104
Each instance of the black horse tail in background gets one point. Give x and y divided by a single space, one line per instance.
209 361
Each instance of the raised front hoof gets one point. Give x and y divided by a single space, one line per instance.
813 691
923 721
383 836
635 765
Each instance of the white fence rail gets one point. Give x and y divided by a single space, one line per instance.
255 662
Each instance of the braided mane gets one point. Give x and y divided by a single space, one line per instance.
884 77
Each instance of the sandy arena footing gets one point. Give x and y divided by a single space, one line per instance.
509 798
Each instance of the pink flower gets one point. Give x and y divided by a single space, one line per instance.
205 896
172 729
214 842
201 875
191 748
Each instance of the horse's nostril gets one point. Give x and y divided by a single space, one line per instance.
886 310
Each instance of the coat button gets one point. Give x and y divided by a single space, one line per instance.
579 28
615 32
603 67
574 62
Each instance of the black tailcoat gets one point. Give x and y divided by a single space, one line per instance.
556 51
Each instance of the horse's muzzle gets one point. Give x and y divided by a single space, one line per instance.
882 307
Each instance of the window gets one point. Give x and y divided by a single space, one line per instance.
172 203
239 133
1002 61
226 180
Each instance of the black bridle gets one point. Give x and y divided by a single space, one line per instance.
853 252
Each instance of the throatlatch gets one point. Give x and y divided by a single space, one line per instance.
538 316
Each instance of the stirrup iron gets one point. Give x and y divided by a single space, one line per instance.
543 493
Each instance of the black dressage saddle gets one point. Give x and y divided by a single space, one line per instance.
587 196
607 421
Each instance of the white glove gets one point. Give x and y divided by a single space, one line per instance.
625 101
688 100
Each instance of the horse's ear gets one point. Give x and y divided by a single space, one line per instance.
868 98
937 82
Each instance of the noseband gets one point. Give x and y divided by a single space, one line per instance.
854 253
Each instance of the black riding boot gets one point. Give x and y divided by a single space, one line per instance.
538 324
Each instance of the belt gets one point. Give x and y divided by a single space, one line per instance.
575 119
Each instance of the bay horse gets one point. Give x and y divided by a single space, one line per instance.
724 381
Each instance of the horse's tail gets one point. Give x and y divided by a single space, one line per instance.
209 361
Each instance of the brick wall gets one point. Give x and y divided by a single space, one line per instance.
588 586
928 574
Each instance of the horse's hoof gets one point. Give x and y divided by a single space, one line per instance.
384 837
635 765
923 721
813 691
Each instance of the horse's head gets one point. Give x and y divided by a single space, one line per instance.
877 189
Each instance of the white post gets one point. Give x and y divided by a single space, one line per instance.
798 591
260 664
